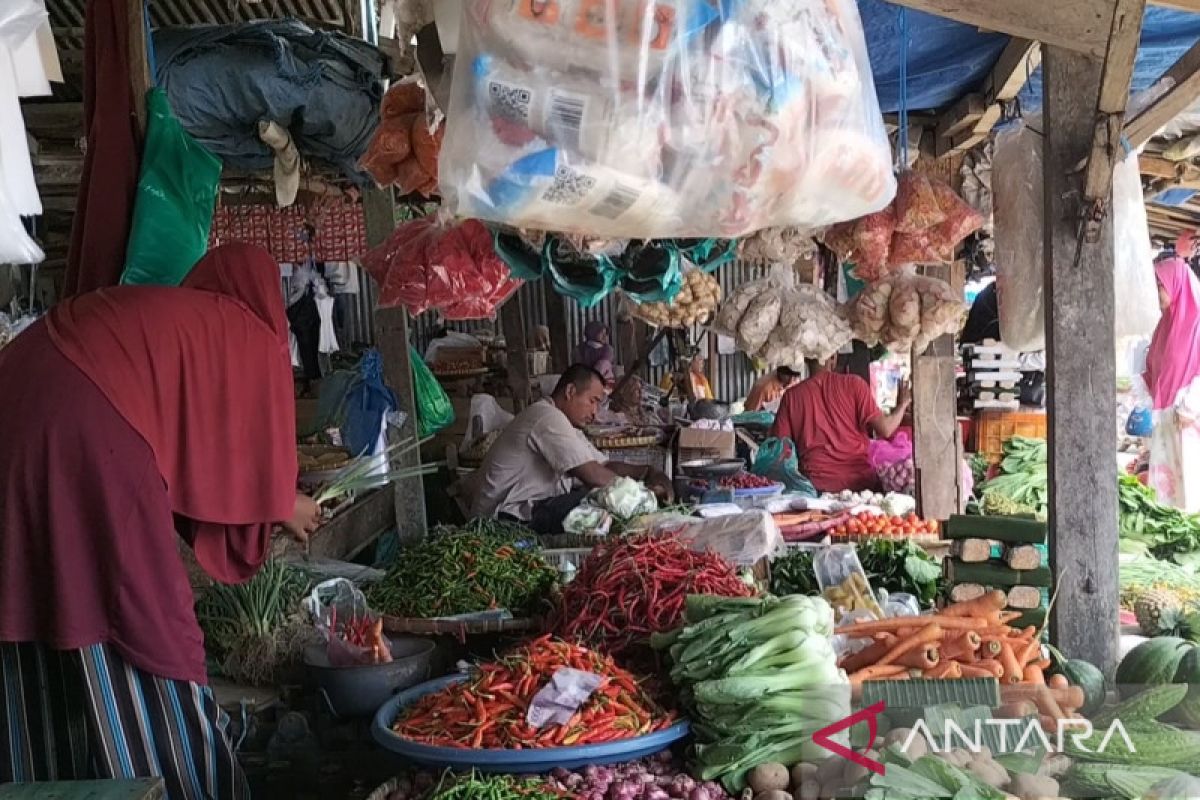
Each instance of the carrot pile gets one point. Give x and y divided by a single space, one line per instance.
630 588
971 639
488 710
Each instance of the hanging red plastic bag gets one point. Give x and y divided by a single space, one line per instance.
404 148
961 220
873 244
916 204
431 263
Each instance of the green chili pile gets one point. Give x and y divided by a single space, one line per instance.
471 569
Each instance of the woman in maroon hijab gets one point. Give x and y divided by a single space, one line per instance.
133 413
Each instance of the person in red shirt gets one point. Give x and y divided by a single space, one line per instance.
829 416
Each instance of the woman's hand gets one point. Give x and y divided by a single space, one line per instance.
306 517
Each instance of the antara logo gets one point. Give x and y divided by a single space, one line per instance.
1014 735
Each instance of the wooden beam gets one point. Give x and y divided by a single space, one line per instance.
1079 25
139 65
512 322
392 341
1179 5
1112 98
1017 62
971 120
556 321
1080 311
1182 85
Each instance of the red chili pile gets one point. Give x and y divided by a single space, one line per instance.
629 588
489 709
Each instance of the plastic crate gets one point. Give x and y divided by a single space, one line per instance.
993 428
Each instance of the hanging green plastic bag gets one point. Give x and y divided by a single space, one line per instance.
434 410
176 194
777 460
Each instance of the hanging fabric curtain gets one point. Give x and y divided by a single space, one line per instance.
108 184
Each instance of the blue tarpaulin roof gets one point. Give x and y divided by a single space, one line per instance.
947 59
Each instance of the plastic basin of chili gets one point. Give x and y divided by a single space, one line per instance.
516 761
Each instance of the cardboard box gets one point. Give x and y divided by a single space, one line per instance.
693 443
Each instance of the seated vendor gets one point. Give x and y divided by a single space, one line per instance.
529 472
829 416
700 387
768 391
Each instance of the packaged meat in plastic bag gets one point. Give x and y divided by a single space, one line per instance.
434 263
602 116
916 204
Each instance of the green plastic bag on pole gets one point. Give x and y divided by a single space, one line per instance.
434 410
176 194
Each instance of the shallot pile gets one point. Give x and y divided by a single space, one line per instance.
658 778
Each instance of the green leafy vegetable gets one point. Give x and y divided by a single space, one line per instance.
898 566
1166 532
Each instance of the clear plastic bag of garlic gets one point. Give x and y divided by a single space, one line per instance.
778 246
810 326
906 310
695 303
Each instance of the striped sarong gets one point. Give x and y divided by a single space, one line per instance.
88 714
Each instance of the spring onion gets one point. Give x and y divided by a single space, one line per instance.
362 476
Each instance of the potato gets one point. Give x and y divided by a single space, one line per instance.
990 772
1033 787
767 777
773 794
809 790
803 772
856 773
831 770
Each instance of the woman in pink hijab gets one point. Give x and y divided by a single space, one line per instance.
1173 379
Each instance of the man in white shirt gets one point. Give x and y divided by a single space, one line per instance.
530 470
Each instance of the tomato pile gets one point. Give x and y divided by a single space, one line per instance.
746 480
868 524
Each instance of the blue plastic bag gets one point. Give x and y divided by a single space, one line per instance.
367 403
778 461
1140 422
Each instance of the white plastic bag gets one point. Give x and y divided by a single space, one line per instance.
486 415
741 538
638 119
1020 274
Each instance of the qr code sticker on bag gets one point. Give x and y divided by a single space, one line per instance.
509 102
569 187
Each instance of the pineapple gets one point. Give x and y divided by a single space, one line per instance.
1158 612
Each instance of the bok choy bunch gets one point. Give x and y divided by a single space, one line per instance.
760 677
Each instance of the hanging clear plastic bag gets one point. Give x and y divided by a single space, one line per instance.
1018 191
352 632
672 118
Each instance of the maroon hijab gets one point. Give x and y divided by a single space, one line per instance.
203 373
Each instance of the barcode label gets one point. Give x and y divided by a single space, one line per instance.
618 200
566 116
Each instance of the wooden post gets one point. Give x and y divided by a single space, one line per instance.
139 65
1081 373
935 423
512 322
392 341
556 321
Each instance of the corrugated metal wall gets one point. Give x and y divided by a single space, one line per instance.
731 375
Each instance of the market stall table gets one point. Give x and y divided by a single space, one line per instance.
136 789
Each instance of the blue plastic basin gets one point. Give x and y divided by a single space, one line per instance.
516 761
